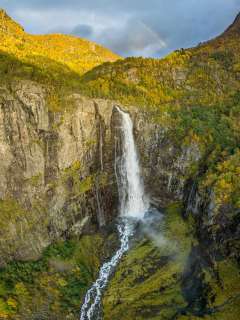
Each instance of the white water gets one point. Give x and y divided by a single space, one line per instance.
133 202
133 205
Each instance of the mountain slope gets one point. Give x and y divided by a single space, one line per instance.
212 67
56 58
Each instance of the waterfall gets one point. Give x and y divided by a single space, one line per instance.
133 205
133 202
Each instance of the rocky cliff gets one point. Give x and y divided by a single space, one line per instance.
57 174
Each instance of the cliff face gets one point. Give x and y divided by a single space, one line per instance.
180 172
163 159
56 169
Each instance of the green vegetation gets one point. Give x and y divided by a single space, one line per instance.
54 286
72 177
147 283
172 280
17 223
78 183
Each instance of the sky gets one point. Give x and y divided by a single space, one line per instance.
150 28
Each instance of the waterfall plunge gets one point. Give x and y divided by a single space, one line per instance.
133 202
133 206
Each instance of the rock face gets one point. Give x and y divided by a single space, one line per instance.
57 176
56 169
173 172
162 159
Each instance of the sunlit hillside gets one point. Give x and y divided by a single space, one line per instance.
54 58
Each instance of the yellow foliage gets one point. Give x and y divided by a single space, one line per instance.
225 180
61 282
12 303
56 59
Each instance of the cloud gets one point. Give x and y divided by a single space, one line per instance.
83 30
136 27
129 37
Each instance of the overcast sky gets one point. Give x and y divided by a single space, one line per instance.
128 27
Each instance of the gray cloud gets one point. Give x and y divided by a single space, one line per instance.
83 30
136 27
132 38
